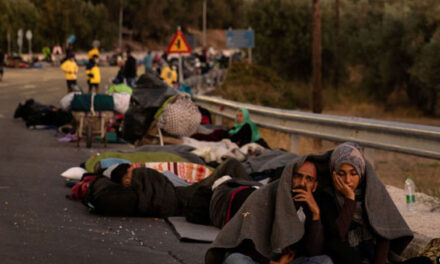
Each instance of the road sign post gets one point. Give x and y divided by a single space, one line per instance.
29 38
180 46
8 37
19 40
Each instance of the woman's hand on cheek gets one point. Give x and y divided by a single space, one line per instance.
342 187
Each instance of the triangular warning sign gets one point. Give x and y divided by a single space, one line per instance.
179 44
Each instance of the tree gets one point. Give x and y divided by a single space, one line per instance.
316 58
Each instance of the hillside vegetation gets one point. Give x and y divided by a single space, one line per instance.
376 50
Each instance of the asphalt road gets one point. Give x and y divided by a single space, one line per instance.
37 223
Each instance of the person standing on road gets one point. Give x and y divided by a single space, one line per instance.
57 52
130 70
148 61
46 54
93 74
2 61
169 75
92 53
70 69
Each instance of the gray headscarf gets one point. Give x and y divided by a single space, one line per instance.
348 153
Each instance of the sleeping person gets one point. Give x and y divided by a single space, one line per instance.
150 193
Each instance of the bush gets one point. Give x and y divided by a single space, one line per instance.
260 85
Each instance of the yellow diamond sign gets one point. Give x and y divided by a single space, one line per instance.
179 44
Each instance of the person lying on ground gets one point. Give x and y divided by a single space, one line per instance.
278 223
361 222
154 194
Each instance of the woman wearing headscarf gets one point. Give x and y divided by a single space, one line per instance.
245 131
361 222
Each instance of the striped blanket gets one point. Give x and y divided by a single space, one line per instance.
190 172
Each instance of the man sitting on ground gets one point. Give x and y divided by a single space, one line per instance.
279 223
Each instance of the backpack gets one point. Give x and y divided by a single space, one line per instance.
79 190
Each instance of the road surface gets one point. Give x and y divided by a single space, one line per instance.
37 223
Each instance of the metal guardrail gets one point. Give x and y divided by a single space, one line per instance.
411 139
202 84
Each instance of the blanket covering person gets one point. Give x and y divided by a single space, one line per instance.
227 198
273 202
376 216
156 194
150 194
188 171
268 218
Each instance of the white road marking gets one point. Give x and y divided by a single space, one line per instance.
29 93
27 87
52 90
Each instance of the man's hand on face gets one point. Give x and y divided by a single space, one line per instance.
307 197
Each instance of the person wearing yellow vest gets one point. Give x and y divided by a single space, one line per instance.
93 52
169 75
70 69
93 74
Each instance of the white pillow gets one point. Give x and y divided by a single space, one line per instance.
74 173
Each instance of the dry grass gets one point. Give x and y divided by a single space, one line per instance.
214 37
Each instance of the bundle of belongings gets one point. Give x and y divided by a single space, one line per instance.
121 95
180 116
118 99
221 150
38 115
92 102
148 96
158 108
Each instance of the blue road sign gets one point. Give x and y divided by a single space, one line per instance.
240 38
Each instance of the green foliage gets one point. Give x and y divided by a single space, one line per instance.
426 72
256 84
391 44
283 36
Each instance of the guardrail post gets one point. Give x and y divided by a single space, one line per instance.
294 143
369 155
218 120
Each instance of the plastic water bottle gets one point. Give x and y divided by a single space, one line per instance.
410 191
